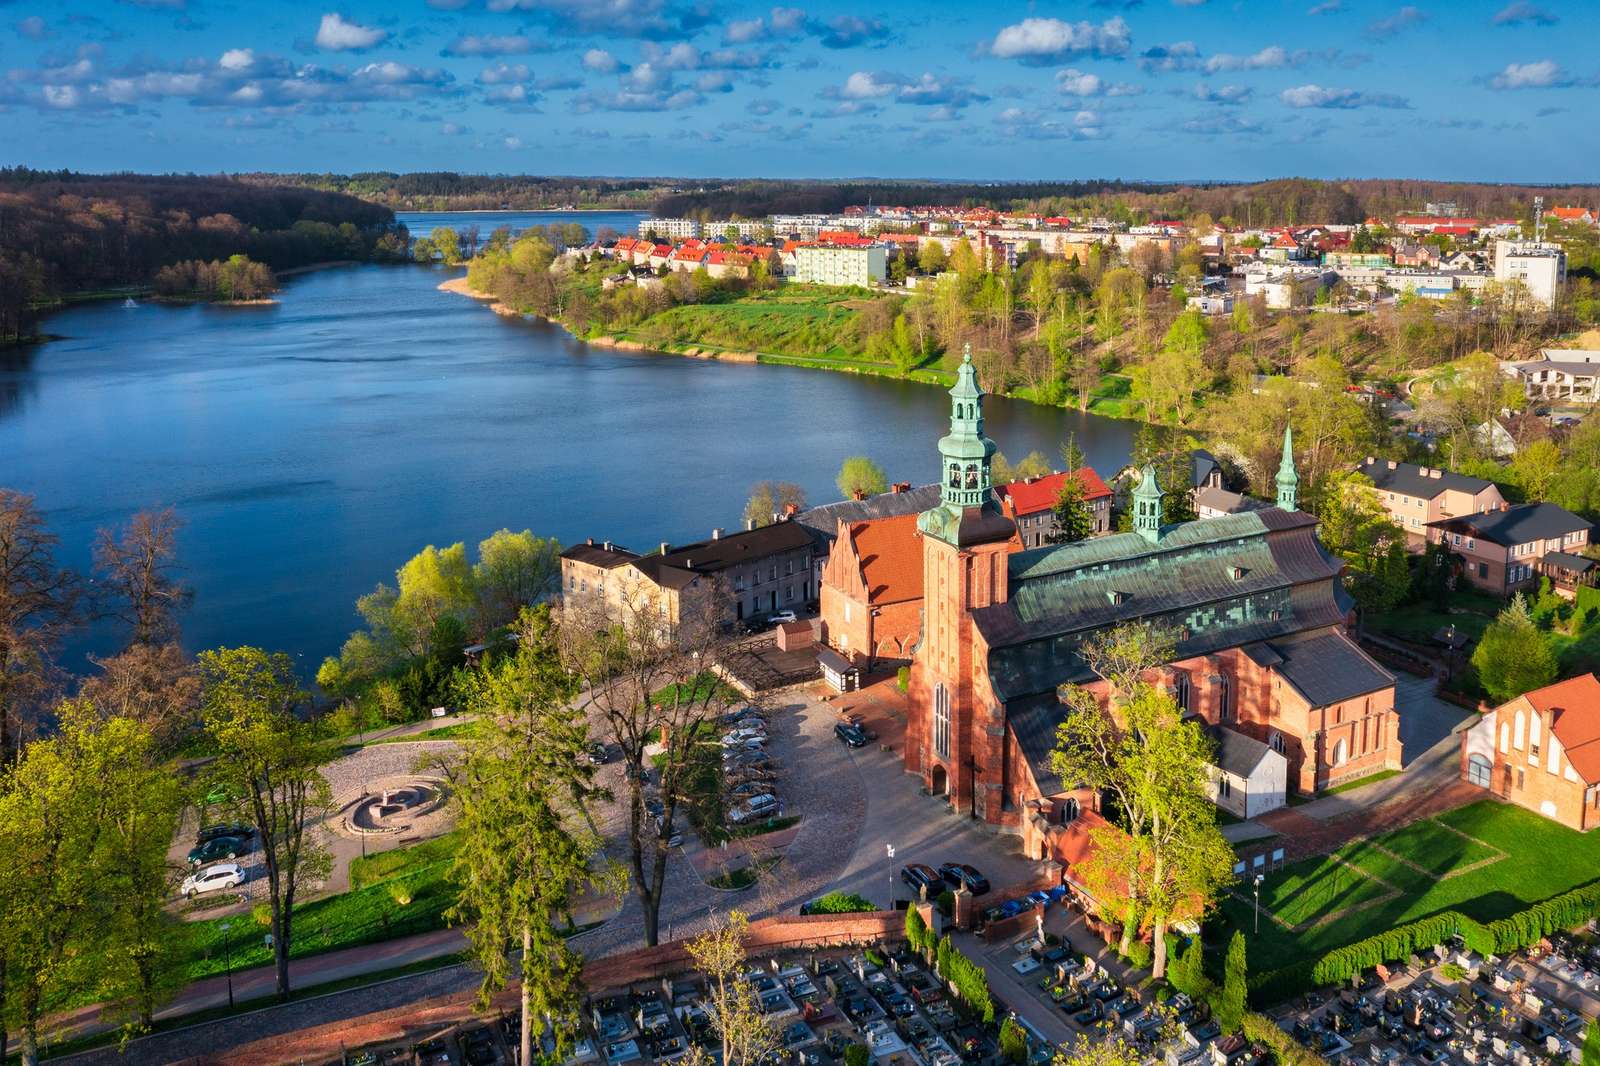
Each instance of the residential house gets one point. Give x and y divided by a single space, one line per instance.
1504 550
1571 374
872 591
1030 503
1542 751
1248 777
823 520
1211 304
1416 254
1580 215
837 264
1213 502
1417 496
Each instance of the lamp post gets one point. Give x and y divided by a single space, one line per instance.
227 957
889 851
1257 887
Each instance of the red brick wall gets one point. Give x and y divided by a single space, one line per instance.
1518 780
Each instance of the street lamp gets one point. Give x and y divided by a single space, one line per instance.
889 849
1259 878
227 956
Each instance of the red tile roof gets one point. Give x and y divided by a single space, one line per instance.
1574 707
1041 493
891 558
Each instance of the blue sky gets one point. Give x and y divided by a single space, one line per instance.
1177 89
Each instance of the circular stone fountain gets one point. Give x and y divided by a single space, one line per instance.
394 806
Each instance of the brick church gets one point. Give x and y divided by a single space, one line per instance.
1255 600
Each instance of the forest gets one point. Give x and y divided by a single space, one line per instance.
66 235
449 191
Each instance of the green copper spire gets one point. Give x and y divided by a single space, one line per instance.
1288 478
965 452
1147 507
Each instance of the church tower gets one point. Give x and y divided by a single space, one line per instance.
955 735
1147 506
1288 477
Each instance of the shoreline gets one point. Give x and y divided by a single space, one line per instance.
460 287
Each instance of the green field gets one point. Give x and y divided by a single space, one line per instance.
799 320
1538 859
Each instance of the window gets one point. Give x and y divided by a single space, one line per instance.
788 567
1341 753
1277 743
1522 779
1478 769
1180 690
941 721
1069 810
847 610
1224 698
772 572
1225 787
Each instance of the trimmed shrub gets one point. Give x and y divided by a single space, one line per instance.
1229 1004
1013 1043
841 903
916 929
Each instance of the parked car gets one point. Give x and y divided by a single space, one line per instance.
917 877
745 789
853 735
224 829
756 807
597 754
781 617
222 875
959 874
218 848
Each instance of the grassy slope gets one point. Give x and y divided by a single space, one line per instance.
1542 859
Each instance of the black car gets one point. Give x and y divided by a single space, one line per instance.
597 754
223 829
959 874
917 877
853 735
218 848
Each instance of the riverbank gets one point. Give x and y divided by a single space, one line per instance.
1109 399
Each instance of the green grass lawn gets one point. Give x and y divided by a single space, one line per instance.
1370 779
1542 859
1113 397
801 320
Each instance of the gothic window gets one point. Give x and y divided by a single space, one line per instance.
1341 753
941 721
955 476
1478 771
1224 698
1069 810
972 475
1277 743
1225 787
1180 690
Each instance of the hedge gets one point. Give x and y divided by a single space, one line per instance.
969 980
1566 911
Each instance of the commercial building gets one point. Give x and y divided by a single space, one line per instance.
1255 602
828 264
1418 496
1542 751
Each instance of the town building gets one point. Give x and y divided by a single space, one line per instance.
1248 778
1254 601
1030 503
1505 550
677 229
592 578
832 264
1542 751
872 591
1570 374
1284 287
824 520
1541 266
1418 496
1213 502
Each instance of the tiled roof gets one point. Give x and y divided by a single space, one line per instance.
891 558
608 556
823 521
1041 493
1517 525
681 565
1575 704
1408 479
1327 667
1216 499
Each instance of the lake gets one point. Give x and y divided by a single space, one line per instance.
313 446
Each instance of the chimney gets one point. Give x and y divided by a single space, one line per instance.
591 542
901 486
665 547
1391 464
1436 473
608 543
790 510
716 534
749 524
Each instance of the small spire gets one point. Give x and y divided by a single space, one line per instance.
966 352
1147 506
1288 478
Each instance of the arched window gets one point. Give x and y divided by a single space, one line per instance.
1478 771
1069 810
955 476
1180 690
972 475
1277 743
941 721
1341 752
1224 698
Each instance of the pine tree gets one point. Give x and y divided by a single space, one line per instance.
1074 521
1230 1004
1514 656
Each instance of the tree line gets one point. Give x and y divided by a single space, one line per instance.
64 233
236 278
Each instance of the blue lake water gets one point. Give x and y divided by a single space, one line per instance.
312 446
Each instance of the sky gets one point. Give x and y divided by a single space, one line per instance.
1139 89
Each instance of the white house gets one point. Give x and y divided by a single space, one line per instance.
1248 778
1563 374
1539 265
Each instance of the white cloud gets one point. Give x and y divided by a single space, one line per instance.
866 85
1403 19
1075 82
504 74
337 34
1272 57
1304 96
1046 40
1222 94
237 59
1515 14
600 61
1543 74
1164 58
490 45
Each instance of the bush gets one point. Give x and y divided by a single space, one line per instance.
1229 1004
1140 955
1013 1042
916 929
967 978
856 1055
903 678
841 903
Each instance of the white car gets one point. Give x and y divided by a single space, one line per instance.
780 617
222 875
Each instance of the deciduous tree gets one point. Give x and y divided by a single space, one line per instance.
1514 656
859 475
268 771
39 603
768 498
734 1007
138 564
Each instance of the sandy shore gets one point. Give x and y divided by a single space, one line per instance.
460 287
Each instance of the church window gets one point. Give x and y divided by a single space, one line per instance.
1341 753
1224 698
941 721
1069 810
955 476
1277 743
1225 787
1180 690
972 475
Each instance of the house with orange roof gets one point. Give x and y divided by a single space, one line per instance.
1030 503
872 590
1574 214
1542 751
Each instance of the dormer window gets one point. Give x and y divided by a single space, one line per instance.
1236 572
1117 599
